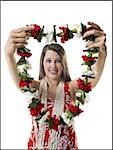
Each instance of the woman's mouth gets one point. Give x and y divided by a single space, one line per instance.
53 71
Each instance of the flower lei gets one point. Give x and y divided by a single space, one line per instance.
84 86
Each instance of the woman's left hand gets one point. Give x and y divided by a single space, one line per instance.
100 38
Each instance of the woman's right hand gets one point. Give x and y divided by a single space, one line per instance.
17 39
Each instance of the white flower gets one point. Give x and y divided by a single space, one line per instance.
78 94
49 37
87 99
76 103
79 30
34 117
41 121
36 94
29 96
25 66
89 73
66 119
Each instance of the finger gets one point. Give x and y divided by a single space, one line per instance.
95 25
17 35
102 38
20 40
22 34
26 28
98 39
93 32
95 44
19 45
89 43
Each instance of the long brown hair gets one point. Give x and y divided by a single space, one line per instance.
61 52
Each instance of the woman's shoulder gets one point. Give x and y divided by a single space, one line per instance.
72 85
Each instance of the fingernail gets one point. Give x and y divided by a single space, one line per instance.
26 43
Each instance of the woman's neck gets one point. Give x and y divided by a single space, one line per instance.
51 82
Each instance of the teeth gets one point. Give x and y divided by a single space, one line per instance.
53 71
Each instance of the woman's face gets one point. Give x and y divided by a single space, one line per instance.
52 65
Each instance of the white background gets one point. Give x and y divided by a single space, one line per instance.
94 126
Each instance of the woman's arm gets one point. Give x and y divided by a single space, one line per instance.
17 39
13 69
100 43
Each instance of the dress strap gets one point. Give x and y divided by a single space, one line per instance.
66 89
67 97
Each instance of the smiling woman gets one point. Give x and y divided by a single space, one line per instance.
55 57
54 99
52 65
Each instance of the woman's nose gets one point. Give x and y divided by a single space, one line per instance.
53 64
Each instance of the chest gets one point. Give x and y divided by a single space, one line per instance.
51 93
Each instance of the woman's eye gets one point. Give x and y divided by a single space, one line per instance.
59 61
48 60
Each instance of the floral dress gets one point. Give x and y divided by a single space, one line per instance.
63 137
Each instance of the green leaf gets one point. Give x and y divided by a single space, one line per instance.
70 114
26 89
44 34
25 76
23 50
71 35
89 54
74 30
83 28
59 34
89 63
34 103
81 100
40 34
54 33
21 61
26 50
88 76
50 123
83 95
62 121
95 50
41 115
20 50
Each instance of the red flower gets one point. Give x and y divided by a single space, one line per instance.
85 87
74 109
55 123
23 83
36 30
88 59
25 54
30 144
35 111
46 136
65 34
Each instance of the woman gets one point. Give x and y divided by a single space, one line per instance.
56 89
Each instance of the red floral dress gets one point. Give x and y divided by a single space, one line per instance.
67 139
